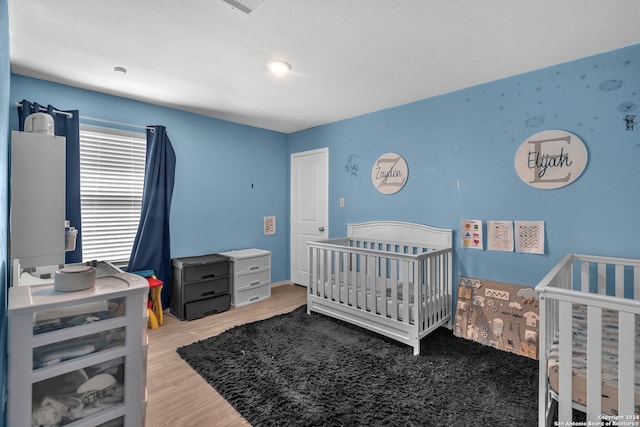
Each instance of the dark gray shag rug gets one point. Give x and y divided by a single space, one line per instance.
311 370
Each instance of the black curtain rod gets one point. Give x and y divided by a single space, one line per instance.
44 109
93 119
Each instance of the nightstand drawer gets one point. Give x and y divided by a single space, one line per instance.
196 273
245 281
252 264
206 289
250 295
194 310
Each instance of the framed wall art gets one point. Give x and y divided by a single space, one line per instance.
389 173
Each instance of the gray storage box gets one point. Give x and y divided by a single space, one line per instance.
200 286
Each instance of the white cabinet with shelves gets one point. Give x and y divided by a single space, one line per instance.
251 275
78 358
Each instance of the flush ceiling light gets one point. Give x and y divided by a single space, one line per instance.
278 67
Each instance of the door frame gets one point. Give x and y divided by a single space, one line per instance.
292 225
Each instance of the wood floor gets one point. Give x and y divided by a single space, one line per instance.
177 395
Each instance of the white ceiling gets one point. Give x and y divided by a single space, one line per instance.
349 57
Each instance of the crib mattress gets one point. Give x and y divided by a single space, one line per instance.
609 360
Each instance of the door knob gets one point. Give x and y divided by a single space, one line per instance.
321 229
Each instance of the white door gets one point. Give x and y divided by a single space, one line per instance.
309 207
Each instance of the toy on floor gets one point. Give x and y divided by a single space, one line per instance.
155 287
156 318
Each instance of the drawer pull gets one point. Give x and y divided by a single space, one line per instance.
209 276
254 267
206 294
257 297
255 283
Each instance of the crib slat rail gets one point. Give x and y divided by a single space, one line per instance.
609 288
626 361
397 289
594 362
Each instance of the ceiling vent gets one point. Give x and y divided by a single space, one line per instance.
247 6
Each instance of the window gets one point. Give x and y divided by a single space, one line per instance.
111 183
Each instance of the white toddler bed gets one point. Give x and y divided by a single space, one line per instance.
393 278
593 304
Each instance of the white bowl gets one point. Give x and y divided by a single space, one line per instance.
74 278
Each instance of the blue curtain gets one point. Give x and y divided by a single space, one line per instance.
152 245
67 124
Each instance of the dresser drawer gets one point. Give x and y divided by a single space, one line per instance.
252 264
206 289
196 273
194 310
253 294
244 281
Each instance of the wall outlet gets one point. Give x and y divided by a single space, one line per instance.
342 202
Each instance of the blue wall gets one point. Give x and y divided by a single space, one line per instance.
228 176
471 136
4 197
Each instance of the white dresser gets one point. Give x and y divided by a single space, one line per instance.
78 358
250 275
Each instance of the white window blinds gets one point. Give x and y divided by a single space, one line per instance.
111 184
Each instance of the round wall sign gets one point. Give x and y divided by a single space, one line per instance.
389 173
551 159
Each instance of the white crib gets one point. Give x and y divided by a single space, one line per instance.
592 303
393 278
